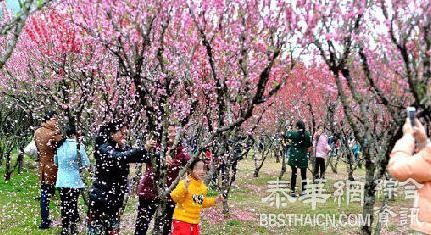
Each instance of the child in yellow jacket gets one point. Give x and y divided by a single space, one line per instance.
190 197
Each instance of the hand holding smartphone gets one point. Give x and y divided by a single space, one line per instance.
411 113
416 129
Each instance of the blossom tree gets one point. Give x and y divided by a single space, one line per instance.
170 51
59 69
11 27
341 34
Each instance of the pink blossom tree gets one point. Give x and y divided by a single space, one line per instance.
11 27
346 42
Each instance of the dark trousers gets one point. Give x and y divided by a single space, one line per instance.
69 209
294 175
46 192
102 221
146 210
104 209
319 168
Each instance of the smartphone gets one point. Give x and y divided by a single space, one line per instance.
411 113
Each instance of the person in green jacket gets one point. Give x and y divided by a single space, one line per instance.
300 147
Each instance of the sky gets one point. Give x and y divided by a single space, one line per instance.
13 5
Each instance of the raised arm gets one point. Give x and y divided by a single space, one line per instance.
403 163
133 155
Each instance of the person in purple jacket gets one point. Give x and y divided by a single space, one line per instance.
147 193
322 149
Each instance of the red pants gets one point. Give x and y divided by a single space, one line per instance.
184 228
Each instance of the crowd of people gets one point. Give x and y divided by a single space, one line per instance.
62 158
299 146
409 159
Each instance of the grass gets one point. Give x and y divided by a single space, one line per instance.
19 211
249 194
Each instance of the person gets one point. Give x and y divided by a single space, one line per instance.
337 145
68 178
405 163
147 193
46 138
333 141
300 143
322 149
190 196
106 195
285 143
356 150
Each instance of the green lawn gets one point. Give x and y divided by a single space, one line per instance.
19 211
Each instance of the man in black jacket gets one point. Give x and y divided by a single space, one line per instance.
112 169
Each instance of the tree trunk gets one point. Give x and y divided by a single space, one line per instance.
259 166
335 167
379 225
226 214
349 165
8 171
329 163
277 155
256 165
369 195
234 168
20 160
159 217
283 167
132 186
226 183
313 167
212 172
256 173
